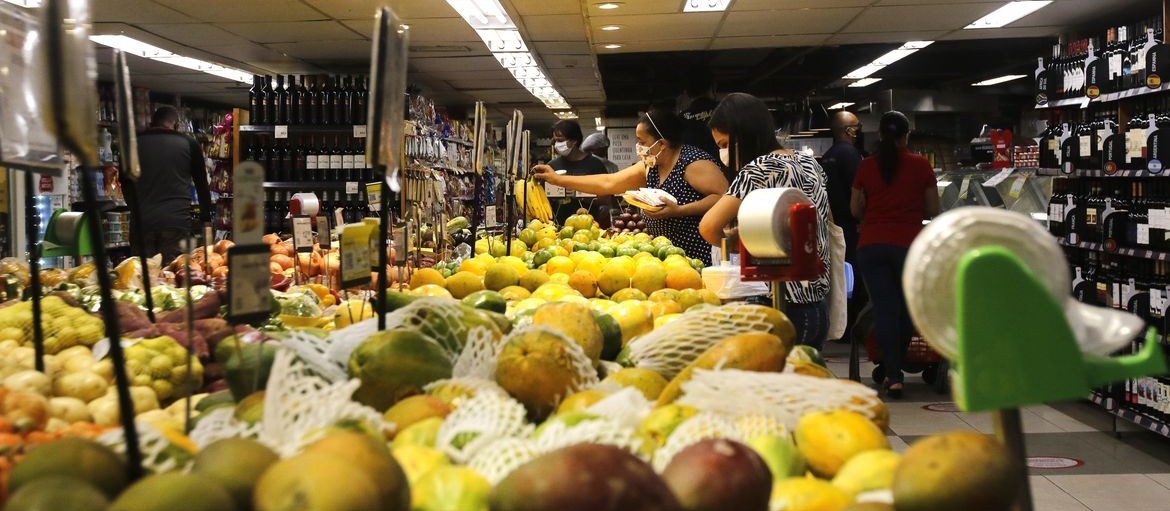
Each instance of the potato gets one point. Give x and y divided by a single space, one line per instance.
29 381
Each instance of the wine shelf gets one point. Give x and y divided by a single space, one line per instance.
1130 252
301 129
1084 102
1123 411
304 185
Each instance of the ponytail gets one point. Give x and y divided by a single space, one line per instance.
894 126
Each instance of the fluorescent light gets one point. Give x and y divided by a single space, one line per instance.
843 104
513 60
600 128
611 28
482 14
1001 79
28 4
138 48
503 40
598 121
890 57
1008 13
566 115
705 5
605 6
612 46
865 82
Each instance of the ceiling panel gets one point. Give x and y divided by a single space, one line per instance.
885 37
802 21
630 7
136 11
1002 33
723 43
438 66
768 5
563 76
292 31
342 51
923 2
923 17
444 30
498 83
561 48
488 74
405 9
568 61
668 45
666 26
195 35
237 11
531 8
564 27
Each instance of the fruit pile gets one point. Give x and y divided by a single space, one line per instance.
629 221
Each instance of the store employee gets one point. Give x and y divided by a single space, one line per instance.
571 158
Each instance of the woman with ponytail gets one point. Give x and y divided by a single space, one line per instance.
894 191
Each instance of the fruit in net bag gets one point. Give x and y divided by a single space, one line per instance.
396 364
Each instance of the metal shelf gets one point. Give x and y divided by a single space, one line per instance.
1130 252
1119 173
1122 410
305 185
1084 102
300 128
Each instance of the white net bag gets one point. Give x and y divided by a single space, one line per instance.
298 405
784 396
754 425
445 321
626 407
702 426
669 349
157 451
584 374
459 390
314 352
219 424
478 422
556 434
499 458
478 358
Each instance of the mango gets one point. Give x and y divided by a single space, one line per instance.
752 351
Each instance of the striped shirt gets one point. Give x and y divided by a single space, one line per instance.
803 173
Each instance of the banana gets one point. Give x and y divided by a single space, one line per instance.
538 206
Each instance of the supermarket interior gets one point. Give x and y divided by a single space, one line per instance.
538 255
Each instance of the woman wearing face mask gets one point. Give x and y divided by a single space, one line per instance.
574 161
742 125
688 174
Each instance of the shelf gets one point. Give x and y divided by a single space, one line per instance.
113 246
298 128
1060 103
107 124
459 141
305 185
1130 252
1119 173
1123 411
1084 102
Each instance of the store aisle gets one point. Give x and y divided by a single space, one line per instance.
1076 462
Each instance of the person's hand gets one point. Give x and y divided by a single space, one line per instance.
669 210
543 173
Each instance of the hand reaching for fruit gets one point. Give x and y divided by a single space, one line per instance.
544 173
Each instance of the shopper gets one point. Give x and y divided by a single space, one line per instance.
893 192
840 163
597 144
688 174
701 91
171 163
572 159
743 126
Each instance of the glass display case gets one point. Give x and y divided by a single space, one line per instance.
1024 190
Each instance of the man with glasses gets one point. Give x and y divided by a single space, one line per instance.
840 163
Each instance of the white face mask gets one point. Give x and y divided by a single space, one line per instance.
725 157
649 160
562 148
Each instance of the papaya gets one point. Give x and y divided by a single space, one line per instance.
752 351
396 364
396 300
536 368
576 322
611 335
486 300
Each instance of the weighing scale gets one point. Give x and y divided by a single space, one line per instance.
772 221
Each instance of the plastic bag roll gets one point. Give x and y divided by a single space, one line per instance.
65 227
763 220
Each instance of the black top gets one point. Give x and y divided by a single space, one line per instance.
588 166
171 163
695 130
598 207
840 163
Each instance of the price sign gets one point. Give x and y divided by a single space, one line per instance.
552 190
339 217
249 293
248 203
374 196
351 187
490 216
998 178
359 131
1018 186
375 239
281 132
324 237
963 187
355 255
302 234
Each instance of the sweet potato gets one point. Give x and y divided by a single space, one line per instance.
178 331
131 317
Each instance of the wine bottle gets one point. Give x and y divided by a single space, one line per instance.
347 168
281 106
294 99
335 161
361 96
311 168
299 173
265 102
313 98
264 157
255 99
359 161
347 94
1056 207
340 97
325 114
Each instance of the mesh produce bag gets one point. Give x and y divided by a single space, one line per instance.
462 389
556 434
64 326
158 453
499 458
784 396
584 374
314 352
754 425
219 424
478 358
625 406
479 421
702 426
669 349
445 321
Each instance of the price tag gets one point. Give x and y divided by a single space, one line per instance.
249 293
351 187
339 217
963 187
1018 186
943 184
375 237
359 131
302 227
324 237
374 196
248 203
998 178
355 255
552 190
400 250
280 132
490 216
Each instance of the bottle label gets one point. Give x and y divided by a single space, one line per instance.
359 161
347 161
311 162
1143 234
1090 217
1135 143
1086 145
335 161
1055 212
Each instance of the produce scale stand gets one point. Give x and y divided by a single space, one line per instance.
487 395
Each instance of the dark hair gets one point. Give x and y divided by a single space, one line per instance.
894 126
569 129
165 114
748 123
700 83
664 124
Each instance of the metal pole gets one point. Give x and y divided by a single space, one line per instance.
1009 430
34 268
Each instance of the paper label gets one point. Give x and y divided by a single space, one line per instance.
552 190
359 131
339 217
963 187
359 161
1086 145
355 254
347 161
1143 234
400 249
374 196
1056 212
311 162
998 178
1135 141
1156 298
324 236
1159 218
281 131
490 216
302 227
1018 186
249 283
351 187
335 161
248 203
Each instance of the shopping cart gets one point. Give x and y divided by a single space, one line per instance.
920 357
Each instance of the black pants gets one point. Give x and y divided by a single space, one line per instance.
881 267
166 241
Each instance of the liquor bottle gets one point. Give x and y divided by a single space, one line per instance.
273 97
268 215
282 210
330 101
1135 141
250 153
325 107
300 161
340 96
313 99
281 106
265 101
312 170
288 162
360 102
359 161
1048 148
279 152
1073 219
1115 221
264 157
327 205
1117 60
335 161
347 93
1070 147
294 100
255 99
1090 211
347 168
1056 207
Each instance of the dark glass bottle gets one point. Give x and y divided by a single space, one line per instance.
270 111
313 101
265 101
360 98
335 161
294 101
325 112
264 157
312 168
1056 207
347 96
299 171
280 108
255 101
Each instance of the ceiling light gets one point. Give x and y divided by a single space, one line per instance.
515 60
865 82
28 4
612 46
1001 79
890 57
501 41
605 6
482 13
598 121
138 48
566 115
611 28
600 128
843 104
1008 13
705 5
